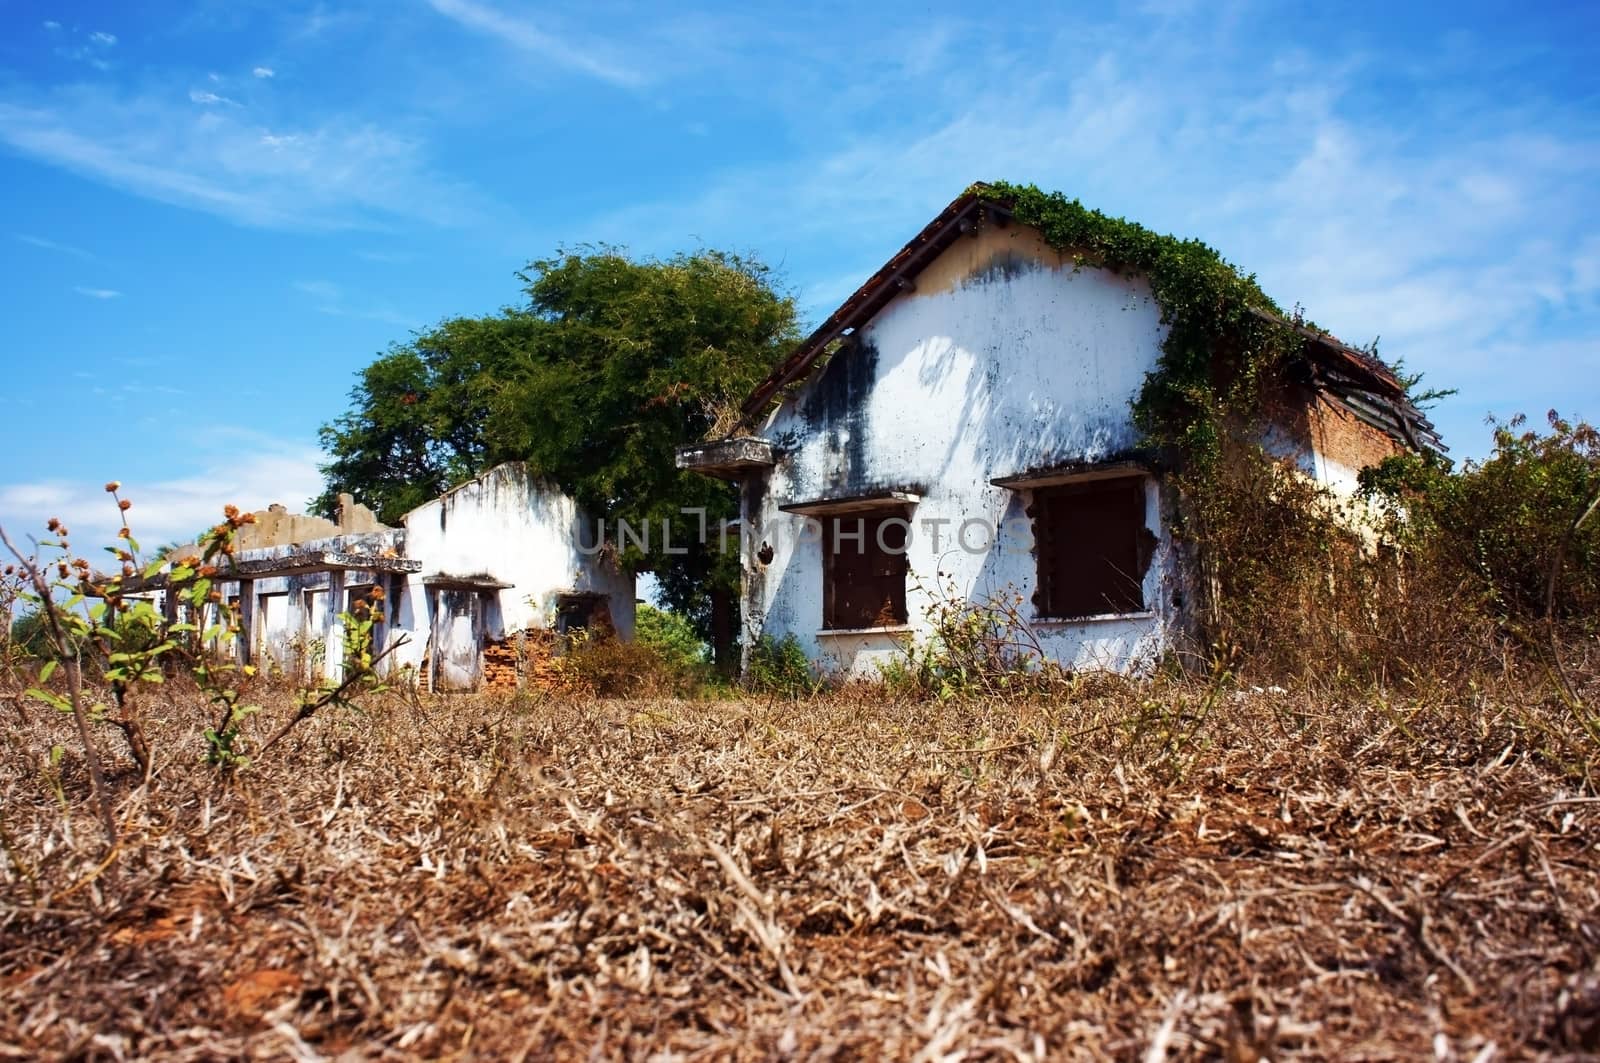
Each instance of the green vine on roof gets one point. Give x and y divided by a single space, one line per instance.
1217 355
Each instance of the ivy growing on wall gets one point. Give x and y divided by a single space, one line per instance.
1259 535
1218 354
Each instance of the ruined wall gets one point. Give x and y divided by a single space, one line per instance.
1343 444
1004 359
276 526
1328 442
511 527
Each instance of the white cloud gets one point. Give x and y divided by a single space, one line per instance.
324 290
387 257
201 96
263 72
51 24
98 293
225 161
331 300
101 37
585 58
1458 229
247 470
52 245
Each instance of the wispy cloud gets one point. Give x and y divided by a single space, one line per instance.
387 257
331 299
202 96
589 57
264 72
336 173
52 245
98 293
326 291
92 49
249 470
51 24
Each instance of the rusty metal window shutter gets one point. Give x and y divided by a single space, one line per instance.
1091 551
864 584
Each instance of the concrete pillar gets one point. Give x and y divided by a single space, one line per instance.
246 643
333 629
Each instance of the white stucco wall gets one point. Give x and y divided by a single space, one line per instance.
505 527
1004 359
511 527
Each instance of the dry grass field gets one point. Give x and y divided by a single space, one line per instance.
1138 872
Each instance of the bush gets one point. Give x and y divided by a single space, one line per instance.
975 649
780 667
1509 526
672 636
665 659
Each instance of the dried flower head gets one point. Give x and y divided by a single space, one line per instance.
112 486
124 505
125 533
52 523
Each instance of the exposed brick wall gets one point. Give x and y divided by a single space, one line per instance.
1340 436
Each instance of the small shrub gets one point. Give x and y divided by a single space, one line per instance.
982 648
780 667
1512 526
601 665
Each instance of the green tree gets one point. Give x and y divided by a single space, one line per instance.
610 365
673 637
1519 527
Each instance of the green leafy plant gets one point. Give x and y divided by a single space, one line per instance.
105 632
673 637
780 667
974 648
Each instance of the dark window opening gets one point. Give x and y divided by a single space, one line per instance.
578 612
864 570
1093 548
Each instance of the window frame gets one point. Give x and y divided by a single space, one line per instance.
1055 599
869 523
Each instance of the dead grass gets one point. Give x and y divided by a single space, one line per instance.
1139 872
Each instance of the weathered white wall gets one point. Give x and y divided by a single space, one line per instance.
1004 359
507 526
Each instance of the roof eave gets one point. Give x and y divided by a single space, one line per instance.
894 276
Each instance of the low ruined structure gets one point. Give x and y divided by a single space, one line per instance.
469 582
961 429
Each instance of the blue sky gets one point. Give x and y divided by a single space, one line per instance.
212 214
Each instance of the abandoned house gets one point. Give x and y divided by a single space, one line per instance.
961 428
475 584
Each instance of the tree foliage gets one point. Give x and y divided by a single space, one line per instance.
1519 527
611 363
